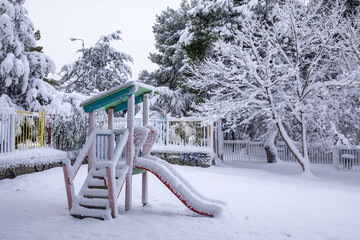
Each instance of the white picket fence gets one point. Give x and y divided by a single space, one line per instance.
7 137
245 151
248 151
177 131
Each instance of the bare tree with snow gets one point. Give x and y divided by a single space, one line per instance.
281 70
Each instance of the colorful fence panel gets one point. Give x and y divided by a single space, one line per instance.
29 129
188 132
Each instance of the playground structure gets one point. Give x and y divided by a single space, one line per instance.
110 167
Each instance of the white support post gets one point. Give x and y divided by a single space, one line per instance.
12 131
145 174
335 157
209 135
110 139
91 154
130 151
167 141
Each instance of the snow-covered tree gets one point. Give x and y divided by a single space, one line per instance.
100 67
208 22
350 65
283 70
22 65
170 56
171 59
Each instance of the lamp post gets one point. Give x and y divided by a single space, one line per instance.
78 39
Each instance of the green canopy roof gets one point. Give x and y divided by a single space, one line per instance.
116 97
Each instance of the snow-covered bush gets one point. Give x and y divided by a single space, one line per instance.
70 132
69 129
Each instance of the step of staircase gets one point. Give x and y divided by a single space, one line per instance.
81 212
97 187
95 202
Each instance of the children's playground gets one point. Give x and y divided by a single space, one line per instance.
115 155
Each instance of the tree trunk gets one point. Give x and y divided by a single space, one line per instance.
306 161
270 148
288 141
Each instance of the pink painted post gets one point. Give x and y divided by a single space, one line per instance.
130 151
91 153
110 137
145 174
110 192
67 185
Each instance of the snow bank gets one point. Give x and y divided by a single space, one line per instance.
31 157
180 149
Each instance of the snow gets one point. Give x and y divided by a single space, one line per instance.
150 140
180 149
31 157
263 203
7 64
140 136
5 102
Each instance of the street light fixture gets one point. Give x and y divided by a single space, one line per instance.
78 39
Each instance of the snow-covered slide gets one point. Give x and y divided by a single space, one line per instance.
176 184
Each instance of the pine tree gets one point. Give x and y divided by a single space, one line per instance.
100 67
23 65
208 22
171 56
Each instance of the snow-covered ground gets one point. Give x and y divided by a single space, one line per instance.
263 202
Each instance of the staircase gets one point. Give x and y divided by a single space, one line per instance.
98 195
93 198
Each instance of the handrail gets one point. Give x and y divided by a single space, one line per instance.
119 149
120 146
84 151
80 158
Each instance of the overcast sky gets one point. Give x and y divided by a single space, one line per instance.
60 20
